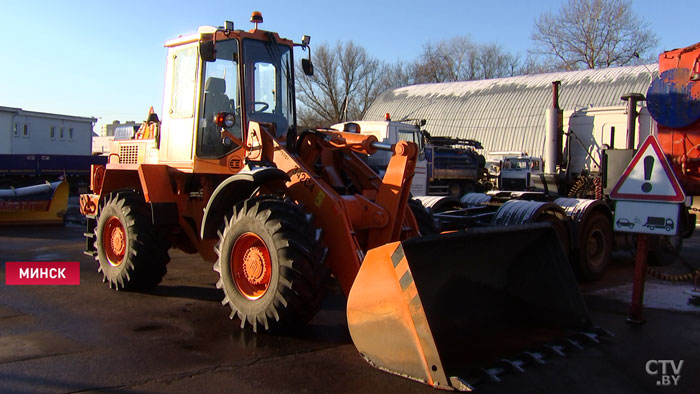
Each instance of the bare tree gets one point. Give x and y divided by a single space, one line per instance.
494 62
347 80
399 74
534 65
345 83
592 34
460 59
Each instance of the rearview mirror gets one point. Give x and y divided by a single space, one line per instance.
308 67
207 51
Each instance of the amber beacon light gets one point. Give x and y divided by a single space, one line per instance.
256 17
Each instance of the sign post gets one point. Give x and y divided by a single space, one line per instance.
648 202
640 270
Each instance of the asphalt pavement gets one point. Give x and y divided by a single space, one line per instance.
177 338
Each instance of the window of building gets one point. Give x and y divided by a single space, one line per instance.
15 130
70 133
25 131
52 133
60 133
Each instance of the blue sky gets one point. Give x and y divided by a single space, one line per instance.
105 59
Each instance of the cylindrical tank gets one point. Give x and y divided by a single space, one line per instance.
673 100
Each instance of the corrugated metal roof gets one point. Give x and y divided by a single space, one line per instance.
508 113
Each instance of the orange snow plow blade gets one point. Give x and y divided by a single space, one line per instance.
438 308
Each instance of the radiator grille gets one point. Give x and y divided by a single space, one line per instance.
129 154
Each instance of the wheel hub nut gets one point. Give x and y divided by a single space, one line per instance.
254 265
117 240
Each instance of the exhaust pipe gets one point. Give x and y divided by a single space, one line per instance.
632 100
553 142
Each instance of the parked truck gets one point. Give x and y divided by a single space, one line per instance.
576 176
446 165
672 113
225 174
584 226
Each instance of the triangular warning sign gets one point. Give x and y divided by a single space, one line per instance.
648 177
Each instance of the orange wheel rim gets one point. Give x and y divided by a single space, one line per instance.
251 266
114 241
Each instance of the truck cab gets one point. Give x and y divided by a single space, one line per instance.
445 166
390 132
517 172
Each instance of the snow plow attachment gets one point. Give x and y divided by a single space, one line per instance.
439 308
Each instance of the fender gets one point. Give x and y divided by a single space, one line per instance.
580 209
233 190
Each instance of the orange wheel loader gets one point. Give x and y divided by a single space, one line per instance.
225 174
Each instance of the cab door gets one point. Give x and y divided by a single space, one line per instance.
179 105
419 182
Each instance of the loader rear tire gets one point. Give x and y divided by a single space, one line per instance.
595 248
132 253
270 264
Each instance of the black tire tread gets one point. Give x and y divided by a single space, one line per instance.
147 254
300 254
582 269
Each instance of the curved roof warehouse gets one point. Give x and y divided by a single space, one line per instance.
509 114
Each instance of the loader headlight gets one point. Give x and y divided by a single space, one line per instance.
225 120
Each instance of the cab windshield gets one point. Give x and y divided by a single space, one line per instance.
412 136
521 165
221 94
269 94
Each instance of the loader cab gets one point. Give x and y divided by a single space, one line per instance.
251 77
246 74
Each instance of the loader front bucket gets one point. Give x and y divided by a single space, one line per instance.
438 308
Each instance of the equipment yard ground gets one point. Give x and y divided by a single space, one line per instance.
178 338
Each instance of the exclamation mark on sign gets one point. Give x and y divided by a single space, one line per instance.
648 166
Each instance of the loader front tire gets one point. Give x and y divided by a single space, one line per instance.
131 253
270 264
